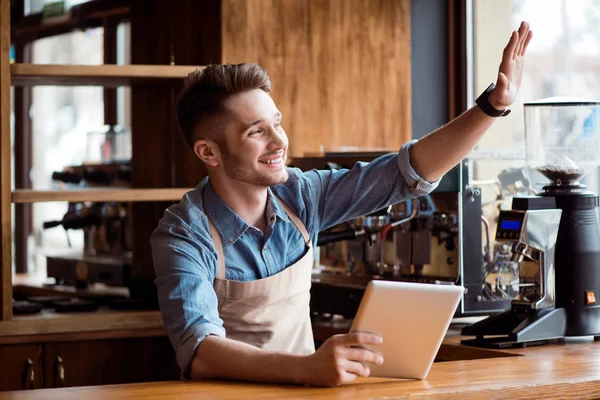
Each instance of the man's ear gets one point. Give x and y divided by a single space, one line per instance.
208 152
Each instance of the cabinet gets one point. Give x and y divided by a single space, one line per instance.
86 363
21 366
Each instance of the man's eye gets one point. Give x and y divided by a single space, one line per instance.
277 124
255 132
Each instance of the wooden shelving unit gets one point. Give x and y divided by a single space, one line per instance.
38 196
20 75
5 166
96 75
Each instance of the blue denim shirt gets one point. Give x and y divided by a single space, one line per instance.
185 260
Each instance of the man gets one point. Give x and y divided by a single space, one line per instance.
233 259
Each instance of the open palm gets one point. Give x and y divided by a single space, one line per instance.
510 73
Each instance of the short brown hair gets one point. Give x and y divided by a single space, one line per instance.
202 101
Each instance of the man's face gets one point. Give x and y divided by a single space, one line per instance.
256 144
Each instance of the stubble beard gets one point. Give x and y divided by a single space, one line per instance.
239 170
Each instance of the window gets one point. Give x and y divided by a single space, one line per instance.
563 59
61 118
36 6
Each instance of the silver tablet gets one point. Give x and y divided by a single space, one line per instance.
412 319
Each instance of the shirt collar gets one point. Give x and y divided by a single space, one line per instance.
274 207
230 225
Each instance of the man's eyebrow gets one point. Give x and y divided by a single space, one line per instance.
258 121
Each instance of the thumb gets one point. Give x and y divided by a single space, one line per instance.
502 82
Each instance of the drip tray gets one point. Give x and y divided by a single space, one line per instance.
456 352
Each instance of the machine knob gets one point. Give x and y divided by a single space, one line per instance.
518 252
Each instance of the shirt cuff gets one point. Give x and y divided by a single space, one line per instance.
188 346
414 182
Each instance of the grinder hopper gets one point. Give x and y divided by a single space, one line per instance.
562 137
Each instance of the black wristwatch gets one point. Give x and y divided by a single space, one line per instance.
484 103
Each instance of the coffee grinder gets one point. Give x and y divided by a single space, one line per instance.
556 231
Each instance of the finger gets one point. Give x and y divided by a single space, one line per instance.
363 355
523 29
348 377
527 40
356 368
356 338
509 50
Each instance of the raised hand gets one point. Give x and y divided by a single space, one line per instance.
510 72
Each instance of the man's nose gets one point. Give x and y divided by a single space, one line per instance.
278 138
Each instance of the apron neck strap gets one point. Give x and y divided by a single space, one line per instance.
292 215
216 236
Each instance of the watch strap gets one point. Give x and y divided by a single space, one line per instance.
485 106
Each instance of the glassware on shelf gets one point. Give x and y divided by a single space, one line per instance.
110 144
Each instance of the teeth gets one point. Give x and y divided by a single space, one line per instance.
275 161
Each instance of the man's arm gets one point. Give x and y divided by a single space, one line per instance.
337 361
435 154
222 358
438 152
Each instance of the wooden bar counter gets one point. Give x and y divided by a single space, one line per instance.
566 370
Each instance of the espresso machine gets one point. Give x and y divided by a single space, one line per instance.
554 234
436 238
106 256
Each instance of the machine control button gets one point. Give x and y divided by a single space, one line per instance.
590 297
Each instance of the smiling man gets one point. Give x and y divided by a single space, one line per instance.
233 259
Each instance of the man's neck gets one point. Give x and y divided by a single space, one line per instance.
247 201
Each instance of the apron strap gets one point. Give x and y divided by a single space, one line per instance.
216 236
292 215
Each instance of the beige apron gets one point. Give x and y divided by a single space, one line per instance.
270 313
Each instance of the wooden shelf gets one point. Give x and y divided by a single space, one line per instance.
65 326
136 195
107 75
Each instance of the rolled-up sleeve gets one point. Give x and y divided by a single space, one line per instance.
185 269
414 182
344 194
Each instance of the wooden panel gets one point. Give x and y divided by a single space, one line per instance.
79 336
13 365
151 134
23 158
135 195
340 68
103 362
178 32
5 157
54 323
97 75
197 29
